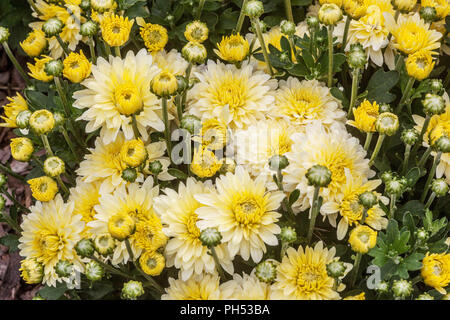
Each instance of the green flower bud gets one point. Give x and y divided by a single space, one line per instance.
288 235
155 167
32 271
368 199
54 166
278 162
210 237
262 25
312 22
329 14
319 176
2 202
287 28
42 121
170 18
428 14
64 268
266 271
4 34
446 297
336 269
385 107
194 52
89 29
357 59
54 68
2 180
439 187
395 187
410 136
382 287
191 123
387 123
104 244
442 144
52 27
284 57
425 296
132 290
436 86
85 5
23 119
102 5
433 104
59 118
129 174
421 234
85 248
94 271
253 9
402 288
387 176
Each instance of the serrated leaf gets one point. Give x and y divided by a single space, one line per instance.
11 241
53 293
177 173
380 84
413 261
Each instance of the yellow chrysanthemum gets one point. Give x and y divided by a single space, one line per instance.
249 287
239 97
302 275
196 31
50 233
155 36
133 152
365 116
32 271
362 239
436 271
12 109
171 61
203 287
233 48
361 296
411 34
442 7
121 225
116 29
35 43
213 134
184 249
76 67
43 188
85 197
205 163
149 233
420 64
243 212
21 148
336 2
134 200
116 90
37 70
354 8
152 263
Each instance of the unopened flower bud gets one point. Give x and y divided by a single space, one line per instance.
32 271
433 104
384 107
410 137
278 162
425 296
404 6
319 176
266 271
253 9
102 5
182 84
287 28
288 235
196 31
387 123
104 244
439 187
59 118
312 22
336 269
4 34
54 68
129 174
395 187
23 119
382 287
42 121
54 166
421 234
89 29
356 59
437 87
155 167
94 271
329 14
429 14
52 27
387 176
132 290
121 226
164 85
210 237
442 144
21 149
262 25
368 199
84 248
194 52
402 288
64 268
191 123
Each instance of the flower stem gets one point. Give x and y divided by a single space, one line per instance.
313 213
368 140
117 51
377 148
92 50
107 48
355 81
406 95
14 200
430 200
187 78
62 184
355 269
166 127
111 269
198 14
346 28
134 125
406 158
241 18
257 27
424 158
69 143
392 206
217 262
330 56
16 63
63 45
288 7
47 147
422 133
8 171
437 159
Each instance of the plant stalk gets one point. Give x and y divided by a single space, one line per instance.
313 213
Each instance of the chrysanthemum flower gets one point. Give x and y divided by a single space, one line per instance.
205 164
50 233
302 102
361 296
21 148
249 287
12 109
149 233
152 263
37 70
411 34
85 197
196 31
333 148
243 212
233 48
43 188
134 200
133 152
436 271
35 43
362 239
365 116
184 250
171 61
116 29
420 64
154 35
213 134
239 97
116 91
302 275
354 8
442 7
76 67
203 287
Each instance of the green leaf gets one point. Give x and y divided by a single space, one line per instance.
408 221
415 207
177 173
294 196
53 293
338 94
413 176
380 84
300 69
413 262
392 232
11 241
100 289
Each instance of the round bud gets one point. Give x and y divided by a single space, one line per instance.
410 136
4 34
32 271
194 52
94 271
155 167
170 18
319 176
437 87
129 174
387 176
21 149
84 248
191 123
433 104
439 187
425 296
429 14
23 118
384 107
421 234
336 269
196 31
266 271
278 162
329 14
42 121
89 29
387 124
442 144
382 287
164 85
253 9
104 244
356 59
287 28
59 118
402 288
121 226
395 187
368 199
52 27
2 180
54 166
210 237
356 47
284 57
312 22
288 235
132 290
64 268
54 68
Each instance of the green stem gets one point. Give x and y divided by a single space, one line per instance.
355 269
62 184
430 200
257 27
167 127
14 200
392 206
377 148
187 79
47 147
63 45
134 125
368 140
69 143
437 159
313 213
217 262
406 158
8 171
355 81
16 63
198 14
107 48
241 17
364 216
346 28
406 95
288 7
330 56
424 158
92 50
422 133
117 51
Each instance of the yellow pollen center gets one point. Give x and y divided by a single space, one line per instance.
231 92
248 211
127 99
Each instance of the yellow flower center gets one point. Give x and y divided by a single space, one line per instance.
311 278
336 162
151 263
127 98
191 225
248 211
411 37
49 244
301 104
232 92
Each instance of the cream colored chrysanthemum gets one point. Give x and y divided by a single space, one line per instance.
184 250
302 102
333 148
249 287
349 208
243 212
171 61
136 201
239 97
203 287
302 275
12 109
116 91
50 233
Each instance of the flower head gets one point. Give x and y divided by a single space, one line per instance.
436 271
76 67
420 64
196 31
154 35
37 70
362 239
32 271
16 105
233 48
21 149
116 29
366 115
35 43
205 163
442 7
133 152
152 263
43 188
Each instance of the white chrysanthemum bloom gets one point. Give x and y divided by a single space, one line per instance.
301 102
50 233
117 90
243 212
249 287
184 250
239 97
351 211
331 147
71 17
202 287
171 61
135 200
